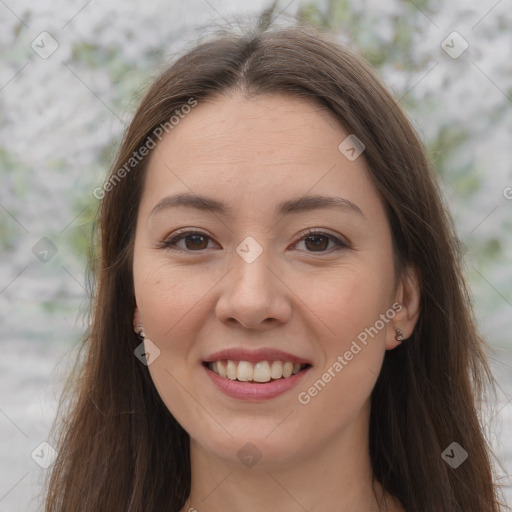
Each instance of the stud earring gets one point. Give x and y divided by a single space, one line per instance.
141 332
398 334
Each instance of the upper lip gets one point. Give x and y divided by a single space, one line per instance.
261 354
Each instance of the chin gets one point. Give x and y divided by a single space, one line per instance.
254 447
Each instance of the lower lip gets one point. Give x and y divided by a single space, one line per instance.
254 391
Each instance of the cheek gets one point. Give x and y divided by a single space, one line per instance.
169 301
355 310
166 297
353 353
350 299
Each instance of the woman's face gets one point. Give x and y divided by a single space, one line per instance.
252 285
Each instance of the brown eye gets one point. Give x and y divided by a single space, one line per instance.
319 242
194 241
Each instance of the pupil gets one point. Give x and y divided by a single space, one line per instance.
195 245
318 245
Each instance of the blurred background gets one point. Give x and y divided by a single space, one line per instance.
71 75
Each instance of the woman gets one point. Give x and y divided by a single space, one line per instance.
280 321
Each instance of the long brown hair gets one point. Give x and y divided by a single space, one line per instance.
120 448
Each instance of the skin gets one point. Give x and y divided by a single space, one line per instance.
252 154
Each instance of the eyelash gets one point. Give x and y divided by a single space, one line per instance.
170 243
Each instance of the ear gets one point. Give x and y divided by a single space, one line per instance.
407 296
137 320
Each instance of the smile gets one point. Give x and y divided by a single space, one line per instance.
258 371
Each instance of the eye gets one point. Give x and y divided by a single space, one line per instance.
318 241
194 241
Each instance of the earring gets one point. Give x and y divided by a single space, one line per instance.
141 332
398 334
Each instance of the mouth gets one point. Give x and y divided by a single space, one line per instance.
257 372
255 375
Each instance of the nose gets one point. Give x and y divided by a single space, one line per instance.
253 295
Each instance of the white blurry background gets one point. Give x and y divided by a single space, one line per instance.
66 97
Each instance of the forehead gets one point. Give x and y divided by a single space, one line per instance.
262 126
260 148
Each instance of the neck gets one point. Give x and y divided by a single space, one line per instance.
337 476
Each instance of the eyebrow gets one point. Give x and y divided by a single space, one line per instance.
299 205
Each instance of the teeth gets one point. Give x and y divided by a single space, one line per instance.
277 370
222 368
231 370
262 371
245 371
287 369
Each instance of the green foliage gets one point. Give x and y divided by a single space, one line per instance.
14 177
80 235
